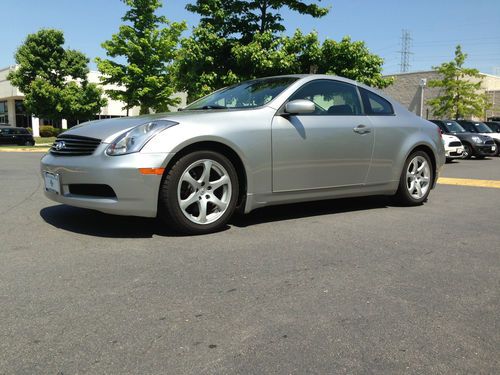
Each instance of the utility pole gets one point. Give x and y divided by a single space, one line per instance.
405 51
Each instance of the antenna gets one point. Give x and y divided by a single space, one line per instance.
406 42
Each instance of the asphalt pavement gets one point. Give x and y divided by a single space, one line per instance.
352 286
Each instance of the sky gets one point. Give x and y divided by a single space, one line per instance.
436 27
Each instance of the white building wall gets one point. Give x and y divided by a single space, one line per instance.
10 93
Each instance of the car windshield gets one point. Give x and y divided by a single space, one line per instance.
249 94
469 127
482 128
454 127
494 127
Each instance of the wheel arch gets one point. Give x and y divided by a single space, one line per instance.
428 150
223 149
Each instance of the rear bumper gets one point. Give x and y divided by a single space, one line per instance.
136 194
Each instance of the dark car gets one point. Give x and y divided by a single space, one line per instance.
475 144
493 125
16 136
481 128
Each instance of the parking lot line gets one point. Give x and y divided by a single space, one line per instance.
469 182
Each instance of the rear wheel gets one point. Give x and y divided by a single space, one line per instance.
416 179
199 193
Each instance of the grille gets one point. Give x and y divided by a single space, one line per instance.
93 190
455 144
74 145
490 142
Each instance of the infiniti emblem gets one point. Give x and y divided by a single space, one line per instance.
60 145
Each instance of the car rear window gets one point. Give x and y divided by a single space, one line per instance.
375 105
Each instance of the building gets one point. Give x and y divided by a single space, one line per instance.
411 90
13 112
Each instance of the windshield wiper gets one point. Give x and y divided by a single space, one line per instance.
212 106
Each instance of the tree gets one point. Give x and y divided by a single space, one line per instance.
54 79
148 50
207 62
459 96
247 17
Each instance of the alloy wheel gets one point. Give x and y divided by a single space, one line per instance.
418 176
204 191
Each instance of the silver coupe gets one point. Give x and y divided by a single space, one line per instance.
263 142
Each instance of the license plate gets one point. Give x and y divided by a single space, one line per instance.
52 182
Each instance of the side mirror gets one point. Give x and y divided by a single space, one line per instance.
300 106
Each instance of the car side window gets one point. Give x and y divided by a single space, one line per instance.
331 98
375 104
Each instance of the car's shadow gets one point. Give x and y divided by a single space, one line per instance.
94 223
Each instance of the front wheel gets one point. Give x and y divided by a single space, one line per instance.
416 180
199 193
467 151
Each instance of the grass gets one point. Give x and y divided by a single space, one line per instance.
45 140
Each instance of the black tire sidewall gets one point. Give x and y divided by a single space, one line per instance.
168 203
402 194
468 149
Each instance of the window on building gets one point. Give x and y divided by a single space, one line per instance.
23 119
4 113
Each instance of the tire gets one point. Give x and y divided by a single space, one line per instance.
467 151
209 199
29 143
416 180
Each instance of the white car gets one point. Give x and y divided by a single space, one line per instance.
454 149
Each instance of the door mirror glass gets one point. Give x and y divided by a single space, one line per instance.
300 106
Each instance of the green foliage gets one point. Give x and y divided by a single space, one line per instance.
247 17
207 62
53 79
48 131
148 50
459 96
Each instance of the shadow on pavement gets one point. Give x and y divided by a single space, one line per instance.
95 223
308 209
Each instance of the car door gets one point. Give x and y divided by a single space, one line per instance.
330 147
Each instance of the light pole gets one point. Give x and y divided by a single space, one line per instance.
422 84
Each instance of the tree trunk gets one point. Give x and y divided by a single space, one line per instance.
263 12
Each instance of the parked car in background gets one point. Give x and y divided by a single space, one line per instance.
481 128
263 142
493 125
453 148
475 144
16 136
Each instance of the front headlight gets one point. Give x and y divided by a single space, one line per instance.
135 139
477 139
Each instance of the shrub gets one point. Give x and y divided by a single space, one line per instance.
48 131
29 130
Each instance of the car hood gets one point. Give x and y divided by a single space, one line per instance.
107 130
492 135
450 138
468 136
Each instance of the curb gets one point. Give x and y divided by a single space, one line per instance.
28 149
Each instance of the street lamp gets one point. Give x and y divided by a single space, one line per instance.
422 84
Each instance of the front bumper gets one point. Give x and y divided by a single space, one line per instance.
485 150
454 152
136 194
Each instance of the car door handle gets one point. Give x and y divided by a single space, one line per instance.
361 129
